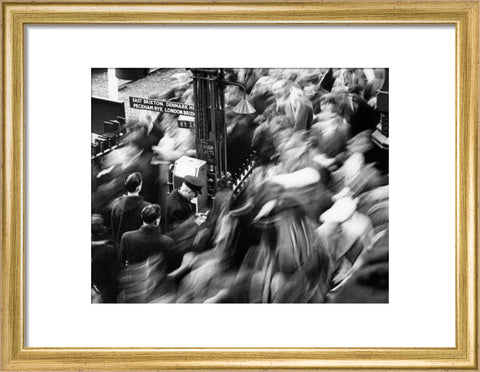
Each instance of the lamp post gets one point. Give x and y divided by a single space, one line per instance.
211 131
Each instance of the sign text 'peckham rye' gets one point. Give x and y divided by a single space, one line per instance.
162 106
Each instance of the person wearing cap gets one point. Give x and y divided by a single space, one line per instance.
179 206
313 91
148 241
176 142
126 210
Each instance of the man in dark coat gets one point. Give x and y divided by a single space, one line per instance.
239 139
363 116
303 111
313 91
179 206
104 261
148 241
126 209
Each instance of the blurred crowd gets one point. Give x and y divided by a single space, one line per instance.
310 226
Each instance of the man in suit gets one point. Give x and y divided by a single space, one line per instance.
179 206
127 208
313 91
148 241
290 102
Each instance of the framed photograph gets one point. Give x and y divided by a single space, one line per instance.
230 166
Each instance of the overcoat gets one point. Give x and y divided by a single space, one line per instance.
126 215
137 246
179 209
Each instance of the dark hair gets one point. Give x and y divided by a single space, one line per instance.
281 122
310 79
327 99
97 224
150 213
133 181
264 146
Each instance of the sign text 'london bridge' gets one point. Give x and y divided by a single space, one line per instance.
162 106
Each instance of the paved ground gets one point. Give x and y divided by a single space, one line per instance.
155 82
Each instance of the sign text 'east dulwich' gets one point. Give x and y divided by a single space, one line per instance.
162 106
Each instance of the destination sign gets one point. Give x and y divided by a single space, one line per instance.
167 107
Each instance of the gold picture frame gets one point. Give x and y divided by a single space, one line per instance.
464 15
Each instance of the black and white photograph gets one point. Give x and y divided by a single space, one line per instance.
240 185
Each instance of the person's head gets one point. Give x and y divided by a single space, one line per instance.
133 183
310 84
263 144
187 97
151 214
169 123
290 75
281 127
328 103
98 225
263 86
309 91
280 123
179 82
379 73
233 95
146 118
279 89
275 73
191 187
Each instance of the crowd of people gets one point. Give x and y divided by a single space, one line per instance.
311 225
